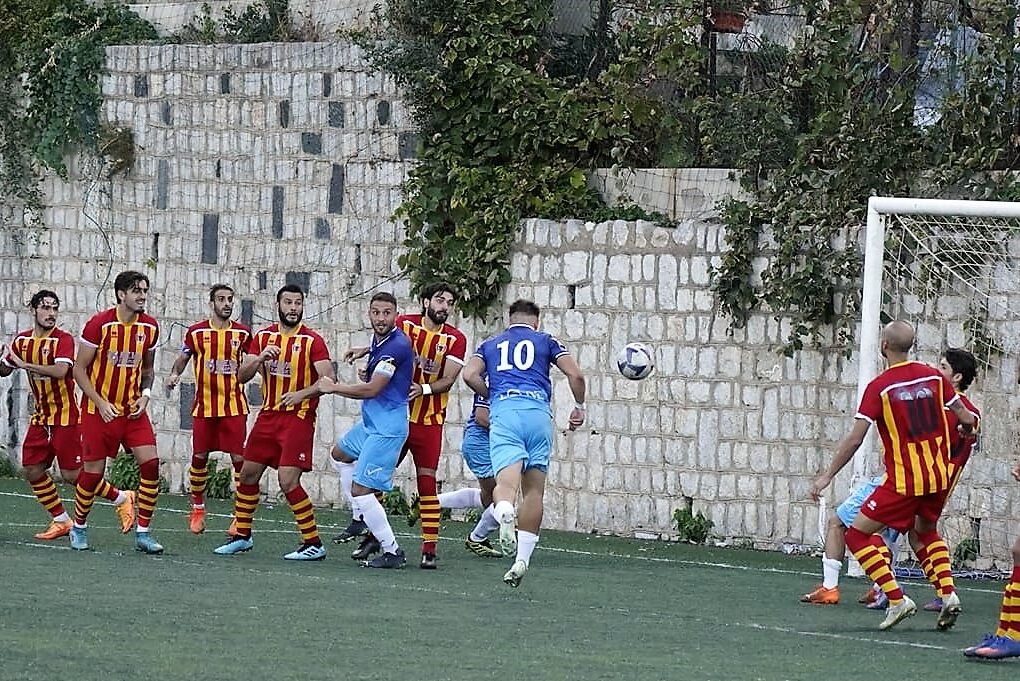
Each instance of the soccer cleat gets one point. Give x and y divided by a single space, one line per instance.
146 544
235 545
232 530
822 596
880 603
997 648
934 605
988 638
951 609
515 574
428 561
307 552
79 538
55 530
869 596
508 533
414 511
482 548
196 522
895 614
126 512
369 545
387 561
356 529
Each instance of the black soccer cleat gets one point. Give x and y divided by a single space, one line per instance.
428 561
368 547
387 561
356 529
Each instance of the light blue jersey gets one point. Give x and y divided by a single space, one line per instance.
517 363
375 441
475 447
848 510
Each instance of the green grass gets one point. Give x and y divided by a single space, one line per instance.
590 608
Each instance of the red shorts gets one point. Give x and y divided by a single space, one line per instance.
101 440
425 444
898 511
218 434
281 439
44 443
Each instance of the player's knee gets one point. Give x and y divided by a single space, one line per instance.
834 523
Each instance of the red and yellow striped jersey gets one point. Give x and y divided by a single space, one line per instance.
53 397
217 354
432 349
960 446
294 369
908 403
116 370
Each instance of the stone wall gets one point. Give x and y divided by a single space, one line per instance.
264 164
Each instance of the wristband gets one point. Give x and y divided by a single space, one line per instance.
580 406
147 392
426 389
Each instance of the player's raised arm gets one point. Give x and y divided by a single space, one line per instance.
472 374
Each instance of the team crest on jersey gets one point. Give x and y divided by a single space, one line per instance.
440 347
141 336
45 350
235 343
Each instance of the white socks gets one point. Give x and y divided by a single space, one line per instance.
526 542
372 512
461 498
830 572
121 498
63 518
503 510
487 524
346 471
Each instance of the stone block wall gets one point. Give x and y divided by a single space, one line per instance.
264 164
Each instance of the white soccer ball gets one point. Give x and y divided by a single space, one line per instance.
635 361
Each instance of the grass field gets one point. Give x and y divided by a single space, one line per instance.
590 608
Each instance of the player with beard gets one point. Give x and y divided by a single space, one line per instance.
439 350
46 353
220 409
291 359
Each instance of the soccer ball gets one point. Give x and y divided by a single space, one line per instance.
635 361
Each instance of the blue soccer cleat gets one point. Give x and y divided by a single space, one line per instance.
146 544
307 552
79 538
998 648
988 638
235 545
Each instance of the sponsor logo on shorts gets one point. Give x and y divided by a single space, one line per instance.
872 505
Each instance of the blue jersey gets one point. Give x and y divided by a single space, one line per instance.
392 355
517 362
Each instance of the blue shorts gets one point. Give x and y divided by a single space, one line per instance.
475 449
848 510
376 455
520 429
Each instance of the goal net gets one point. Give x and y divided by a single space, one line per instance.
952 269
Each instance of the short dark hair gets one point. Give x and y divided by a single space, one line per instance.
126 281
384 297
437 287
216 289
525 307
289 288
963 363
38 298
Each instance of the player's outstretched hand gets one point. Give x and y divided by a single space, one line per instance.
818 486
576 418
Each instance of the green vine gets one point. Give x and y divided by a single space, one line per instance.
509 131
845 111
51 60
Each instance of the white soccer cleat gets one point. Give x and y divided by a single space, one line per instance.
895 614
951 609
515 574
508 534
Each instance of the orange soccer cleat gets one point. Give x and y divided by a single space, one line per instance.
197 520
126 513
55 530
822 596
232 530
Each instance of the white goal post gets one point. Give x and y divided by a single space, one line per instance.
952 269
